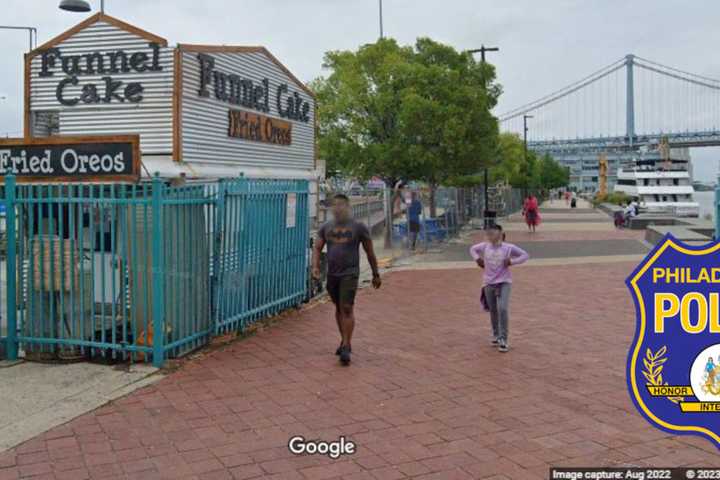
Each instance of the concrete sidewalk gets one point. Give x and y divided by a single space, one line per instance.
426 396
35 397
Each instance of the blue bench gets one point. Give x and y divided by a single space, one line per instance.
430 229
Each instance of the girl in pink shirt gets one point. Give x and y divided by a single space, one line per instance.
496 257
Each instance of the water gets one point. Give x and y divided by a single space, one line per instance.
707 203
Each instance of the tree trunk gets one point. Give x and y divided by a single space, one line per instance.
433 207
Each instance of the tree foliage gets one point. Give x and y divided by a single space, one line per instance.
416 113
531 172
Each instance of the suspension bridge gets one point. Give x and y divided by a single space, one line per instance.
628 104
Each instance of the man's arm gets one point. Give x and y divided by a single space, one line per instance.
317 250
372 259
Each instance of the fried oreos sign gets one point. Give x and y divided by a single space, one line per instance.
71 159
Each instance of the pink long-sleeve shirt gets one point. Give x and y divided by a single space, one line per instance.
494 257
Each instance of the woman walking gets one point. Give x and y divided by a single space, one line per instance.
531 211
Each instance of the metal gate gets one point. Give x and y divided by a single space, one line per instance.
262 250
145 271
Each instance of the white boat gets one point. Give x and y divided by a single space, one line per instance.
661 182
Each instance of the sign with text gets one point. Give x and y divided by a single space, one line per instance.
71 159
102 64
259 128
236 90
673 367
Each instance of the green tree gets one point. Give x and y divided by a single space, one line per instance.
529 172
511 167
416 113
552 174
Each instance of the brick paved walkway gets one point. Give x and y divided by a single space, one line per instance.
426 396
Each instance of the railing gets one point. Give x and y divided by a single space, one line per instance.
363 208
455 208
116 272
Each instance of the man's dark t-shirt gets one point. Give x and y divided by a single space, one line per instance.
343 246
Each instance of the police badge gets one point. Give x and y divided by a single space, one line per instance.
673 368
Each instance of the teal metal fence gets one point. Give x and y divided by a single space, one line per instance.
262 250
149 271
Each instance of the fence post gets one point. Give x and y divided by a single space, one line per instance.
158 294
219 224
11 346
368 207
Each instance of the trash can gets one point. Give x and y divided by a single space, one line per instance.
489 216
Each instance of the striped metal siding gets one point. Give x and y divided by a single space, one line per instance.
151 118
205 120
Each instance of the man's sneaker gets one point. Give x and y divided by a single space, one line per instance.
503 346
345 355
339 350
494 340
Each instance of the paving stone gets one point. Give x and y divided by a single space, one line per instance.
426 396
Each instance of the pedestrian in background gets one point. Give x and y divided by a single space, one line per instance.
496 256
531 212
415 209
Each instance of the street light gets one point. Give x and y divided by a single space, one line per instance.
79 6
32 31
525 131
482 50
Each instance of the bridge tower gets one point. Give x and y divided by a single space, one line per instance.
630 99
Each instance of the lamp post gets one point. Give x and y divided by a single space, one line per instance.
525 132
79 6
482 50
32 32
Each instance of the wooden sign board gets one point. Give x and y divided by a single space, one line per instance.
259 128
83 159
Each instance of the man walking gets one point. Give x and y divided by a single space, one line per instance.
414 212
343 236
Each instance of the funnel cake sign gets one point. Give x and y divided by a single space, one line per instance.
105 63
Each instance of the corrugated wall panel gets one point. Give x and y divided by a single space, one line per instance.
151 118
205 120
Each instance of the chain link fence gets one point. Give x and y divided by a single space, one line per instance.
454 208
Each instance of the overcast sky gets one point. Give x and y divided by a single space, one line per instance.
544 45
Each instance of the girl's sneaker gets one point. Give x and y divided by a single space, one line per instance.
503 346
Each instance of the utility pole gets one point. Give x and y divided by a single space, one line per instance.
381 20
482 50
525 132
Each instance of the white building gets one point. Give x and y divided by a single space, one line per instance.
202 111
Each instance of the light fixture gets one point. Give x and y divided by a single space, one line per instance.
75 6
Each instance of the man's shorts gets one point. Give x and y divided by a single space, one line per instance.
342 289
